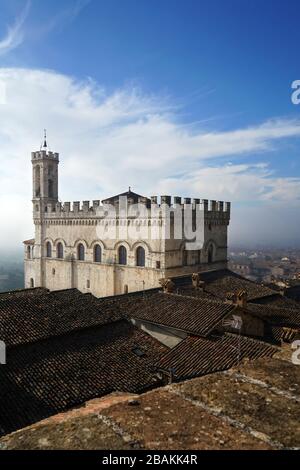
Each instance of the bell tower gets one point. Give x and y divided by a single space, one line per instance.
44 198
45 175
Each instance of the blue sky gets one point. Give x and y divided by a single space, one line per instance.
243 52
186 74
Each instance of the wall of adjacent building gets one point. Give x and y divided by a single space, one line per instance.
168 336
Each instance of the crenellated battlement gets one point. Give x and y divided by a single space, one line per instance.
206 205
44 154
123 243
212 209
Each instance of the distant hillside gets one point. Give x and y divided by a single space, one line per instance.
11 275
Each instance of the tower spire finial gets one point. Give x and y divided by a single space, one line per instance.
45 139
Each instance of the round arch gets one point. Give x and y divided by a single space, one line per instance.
48 244
122 255
48 239
210 249
81 240
98 249
61 240
81 247
140 256
98 242
60 249
142 243
122 242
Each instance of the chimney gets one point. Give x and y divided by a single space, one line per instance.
282 290
167 285
197 282
231 298
242 298
238 299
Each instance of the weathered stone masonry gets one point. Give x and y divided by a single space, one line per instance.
67 250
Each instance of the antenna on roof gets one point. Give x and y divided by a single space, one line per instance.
236 323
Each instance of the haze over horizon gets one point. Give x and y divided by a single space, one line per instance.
183 99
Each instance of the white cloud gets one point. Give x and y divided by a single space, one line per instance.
15 33
108 142
238 183
63 17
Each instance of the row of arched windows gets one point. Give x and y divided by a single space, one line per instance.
97 253
59 250
140 256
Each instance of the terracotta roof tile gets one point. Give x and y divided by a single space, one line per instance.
53 375
219 283
196 356
42 314
276 315
130 194
196 316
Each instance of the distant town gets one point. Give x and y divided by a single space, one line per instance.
268 266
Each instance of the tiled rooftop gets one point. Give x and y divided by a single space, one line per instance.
254 407
196 356
49 376
219 283
276 315
277 301
128 194
281 333
23 293
65 347
42 314
196 316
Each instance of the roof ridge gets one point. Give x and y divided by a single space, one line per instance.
275 307
19 291
253 340
196 299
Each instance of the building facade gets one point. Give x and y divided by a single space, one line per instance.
105 249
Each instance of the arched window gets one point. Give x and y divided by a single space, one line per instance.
210 256
37 181
60 250
97 254
122 255
31 283
140 256
48 250
28 252
80 252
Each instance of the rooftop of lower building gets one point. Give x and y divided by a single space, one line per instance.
65 348
254 407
